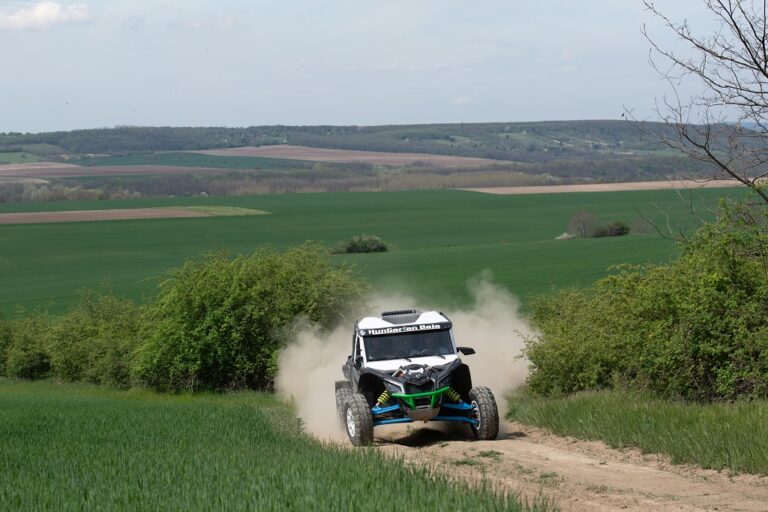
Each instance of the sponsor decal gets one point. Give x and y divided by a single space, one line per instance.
405 328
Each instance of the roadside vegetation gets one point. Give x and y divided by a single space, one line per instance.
694 329
669 358
78 447
217 323
723 436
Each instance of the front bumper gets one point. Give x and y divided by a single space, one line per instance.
424 406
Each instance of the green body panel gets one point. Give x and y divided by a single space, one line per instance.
409 398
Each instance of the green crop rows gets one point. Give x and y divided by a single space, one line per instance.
76 447
438 241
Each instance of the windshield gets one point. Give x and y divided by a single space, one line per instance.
407 345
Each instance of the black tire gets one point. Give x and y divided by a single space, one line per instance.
358 421
341 396
485 411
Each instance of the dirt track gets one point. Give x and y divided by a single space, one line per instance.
608 187
72 171
33 166
577 475
89 215
347 156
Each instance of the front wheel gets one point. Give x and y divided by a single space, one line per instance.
486 413
358 421
341 397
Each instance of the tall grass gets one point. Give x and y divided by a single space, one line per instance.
76 447
717 436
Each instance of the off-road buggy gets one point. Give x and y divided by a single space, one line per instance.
405 367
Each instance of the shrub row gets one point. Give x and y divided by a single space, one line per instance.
217 323
584 225
696 328
361 244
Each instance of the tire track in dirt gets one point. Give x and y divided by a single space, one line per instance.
577 475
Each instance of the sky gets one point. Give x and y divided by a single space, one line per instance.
103 63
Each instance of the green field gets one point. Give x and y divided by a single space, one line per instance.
182 159
438 240
75 447
18 157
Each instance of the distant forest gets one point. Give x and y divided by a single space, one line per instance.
592 150
525 142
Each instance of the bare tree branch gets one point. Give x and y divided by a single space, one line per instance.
732 64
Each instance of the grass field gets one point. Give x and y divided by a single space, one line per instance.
716 436
438 240
70 447
18 157
181 159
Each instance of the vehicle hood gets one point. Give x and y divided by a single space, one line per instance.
391 365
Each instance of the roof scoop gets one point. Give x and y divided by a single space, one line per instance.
402 316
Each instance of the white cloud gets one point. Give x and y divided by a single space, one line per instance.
43 15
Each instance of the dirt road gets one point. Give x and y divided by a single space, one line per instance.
577 475
609 187
91 215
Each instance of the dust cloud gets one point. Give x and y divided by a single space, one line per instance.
492 325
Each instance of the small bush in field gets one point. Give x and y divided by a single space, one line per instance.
617 228
584 225
361 244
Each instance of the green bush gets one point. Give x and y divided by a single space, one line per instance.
26 352
696 328
96 340
219 322
360 244
616 228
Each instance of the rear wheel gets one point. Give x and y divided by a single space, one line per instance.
358 421
486 413
341 396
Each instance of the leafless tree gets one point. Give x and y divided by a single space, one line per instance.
732 65
582 225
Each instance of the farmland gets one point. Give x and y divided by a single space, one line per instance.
18 157
180 159
78 447
284 151
438 240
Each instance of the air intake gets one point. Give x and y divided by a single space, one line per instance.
399 313
403 316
